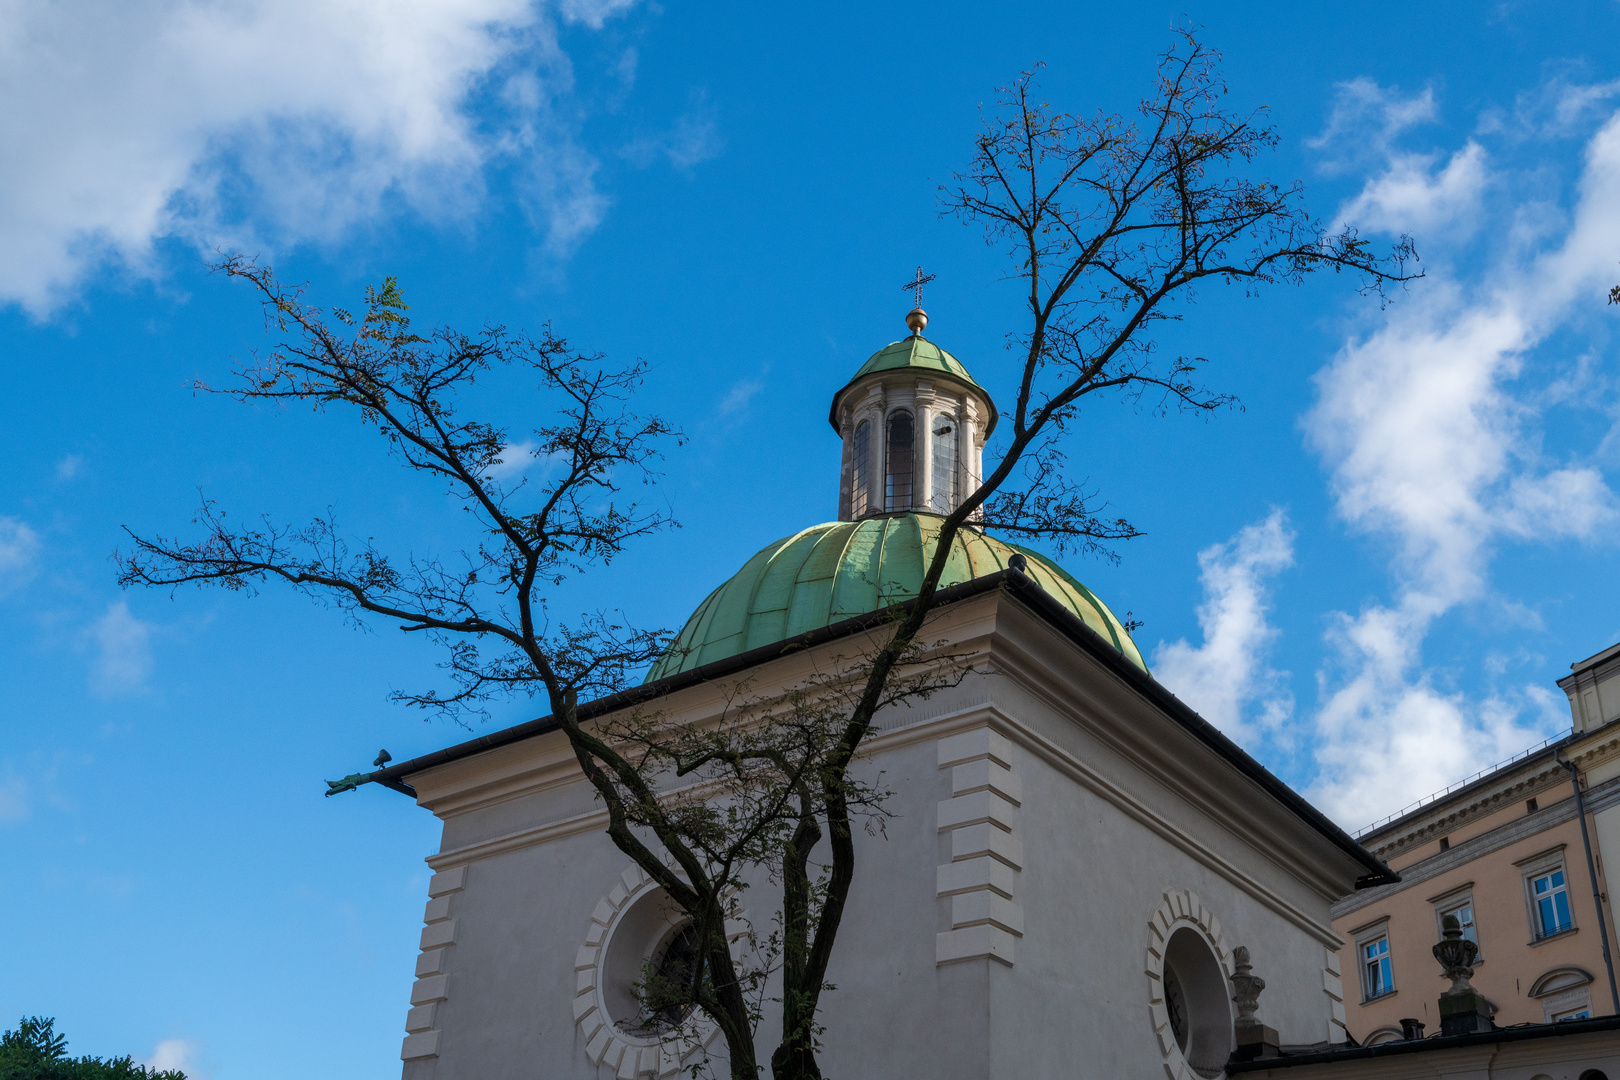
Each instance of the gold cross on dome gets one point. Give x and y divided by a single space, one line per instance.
917 283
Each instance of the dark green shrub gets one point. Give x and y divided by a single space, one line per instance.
34 1051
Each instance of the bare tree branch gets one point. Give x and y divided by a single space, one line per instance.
1112 224
1109 223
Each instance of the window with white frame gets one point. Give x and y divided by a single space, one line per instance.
1564 993
1459 906
1377 973
1549 901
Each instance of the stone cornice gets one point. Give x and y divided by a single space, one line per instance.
1128 682
1592 669
1545 853
1515 783
1159 750
1602 797
933 728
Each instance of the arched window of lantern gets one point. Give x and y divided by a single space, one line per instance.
902 437
860 491
944 465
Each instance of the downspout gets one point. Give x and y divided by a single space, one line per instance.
1591 873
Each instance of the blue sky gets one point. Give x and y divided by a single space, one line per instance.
1372 574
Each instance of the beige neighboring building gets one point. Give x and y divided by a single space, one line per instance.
1507 854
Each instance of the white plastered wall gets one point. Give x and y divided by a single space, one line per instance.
1040 969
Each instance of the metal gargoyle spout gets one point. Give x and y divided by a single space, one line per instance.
348 783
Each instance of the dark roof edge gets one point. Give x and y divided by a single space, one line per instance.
1433 1043
393 776
1597 659
1014 582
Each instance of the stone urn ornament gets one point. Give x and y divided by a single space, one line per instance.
1463 1010
1456 955
1246 986
1253 1039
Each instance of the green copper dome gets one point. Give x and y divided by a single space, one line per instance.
916 354
845 568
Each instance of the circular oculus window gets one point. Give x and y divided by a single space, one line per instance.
636 929
1189 995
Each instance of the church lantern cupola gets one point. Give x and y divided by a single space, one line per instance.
914 424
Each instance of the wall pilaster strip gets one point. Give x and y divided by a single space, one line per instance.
432 987
1338 1030
980 879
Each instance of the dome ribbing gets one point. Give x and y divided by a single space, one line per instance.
835 571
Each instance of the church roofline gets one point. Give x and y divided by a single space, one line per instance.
1026 591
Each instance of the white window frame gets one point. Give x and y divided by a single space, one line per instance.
1571 993
1371 935
1544 865
1546 889
1449 903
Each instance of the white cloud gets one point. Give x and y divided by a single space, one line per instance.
593 13
1366 118
267 121
1227 674
178 1054
19 546
1408 192
1434 446
16 803
626 67
737 398
123 657
693 139
562 195
1387 735
1560 107
516 459
69 467
1410 197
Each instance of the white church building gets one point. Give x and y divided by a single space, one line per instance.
1073 856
